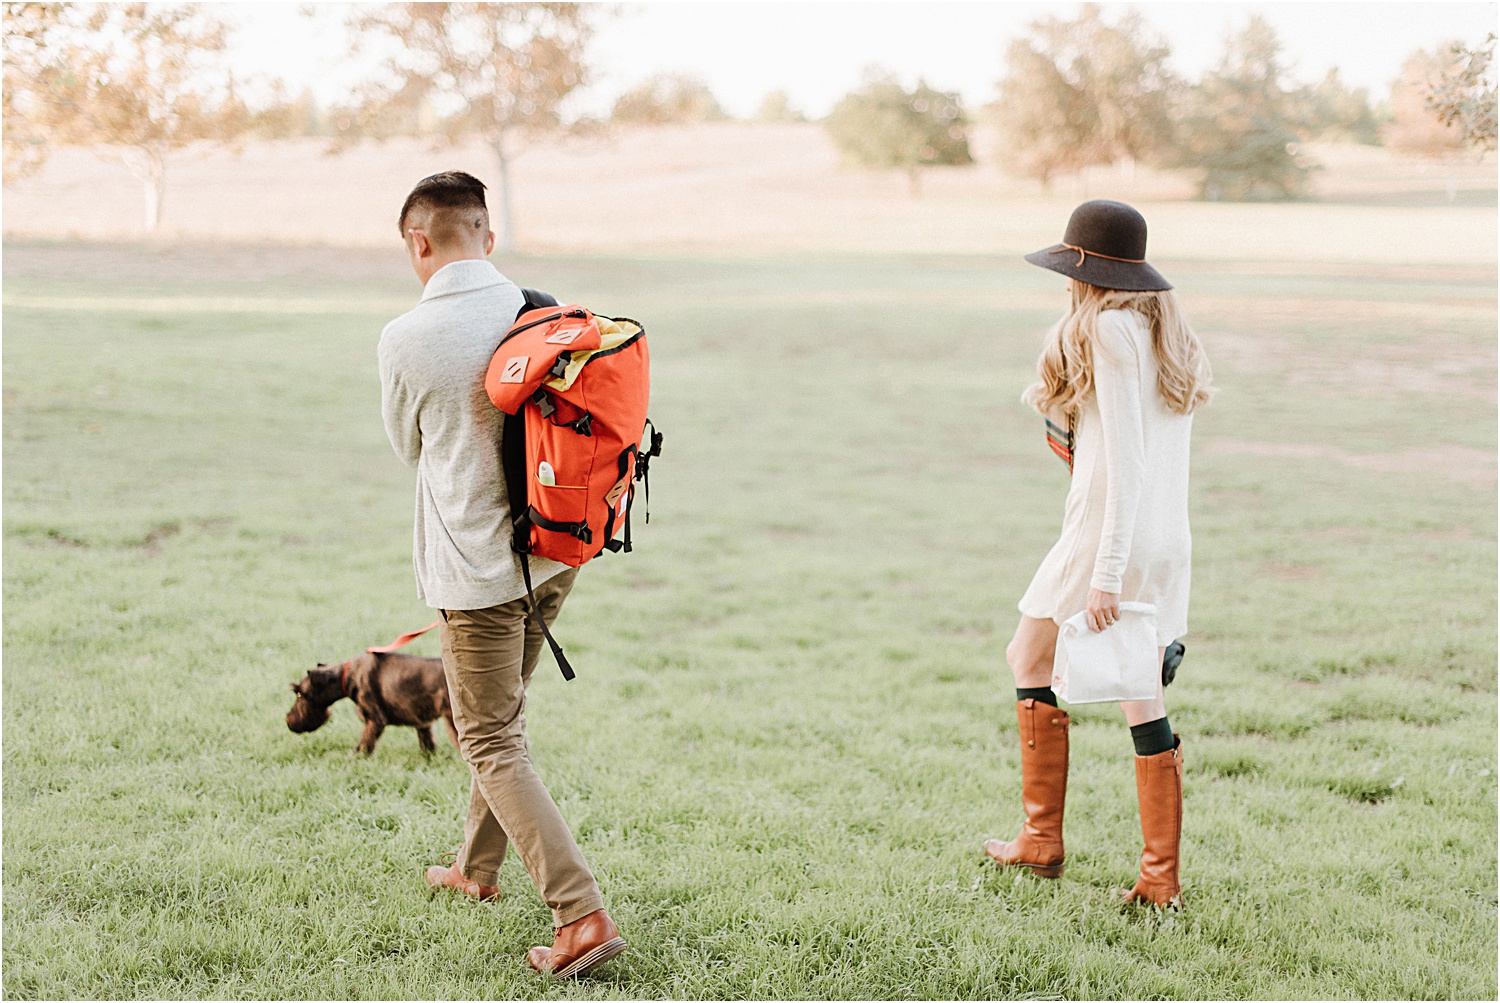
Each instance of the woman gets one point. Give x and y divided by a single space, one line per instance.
1121 375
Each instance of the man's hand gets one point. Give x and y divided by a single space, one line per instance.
1103 609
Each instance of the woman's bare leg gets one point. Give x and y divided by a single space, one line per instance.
1142 711
1030 652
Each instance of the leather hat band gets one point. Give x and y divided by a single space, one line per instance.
1081 252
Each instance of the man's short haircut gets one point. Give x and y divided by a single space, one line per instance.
448 206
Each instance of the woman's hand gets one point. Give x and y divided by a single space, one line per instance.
1103 609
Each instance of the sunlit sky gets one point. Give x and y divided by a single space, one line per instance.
817 52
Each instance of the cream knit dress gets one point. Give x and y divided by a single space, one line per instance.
1125 524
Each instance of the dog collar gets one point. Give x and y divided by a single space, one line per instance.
344 678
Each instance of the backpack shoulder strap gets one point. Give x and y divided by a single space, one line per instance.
513 465
533 298
513 448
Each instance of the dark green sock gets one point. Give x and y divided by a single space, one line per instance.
1153 737
1041 694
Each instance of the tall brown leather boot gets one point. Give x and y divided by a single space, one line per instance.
1044 787
1158 785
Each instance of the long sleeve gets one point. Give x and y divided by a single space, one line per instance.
1117 384
399 409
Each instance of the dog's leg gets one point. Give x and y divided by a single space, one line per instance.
452 732
424 738
367 739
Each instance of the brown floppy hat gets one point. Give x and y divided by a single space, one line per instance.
1105 246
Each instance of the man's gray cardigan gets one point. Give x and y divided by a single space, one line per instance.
432 365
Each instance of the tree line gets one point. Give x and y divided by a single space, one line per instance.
147 79
142 81
1084 92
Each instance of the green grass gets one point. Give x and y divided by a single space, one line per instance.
792 726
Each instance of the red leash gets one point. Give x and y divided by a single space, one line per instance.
386 649
404 639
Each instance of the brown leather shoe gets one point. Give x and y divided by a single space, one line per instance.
439 876
1044 789
579 946
1158 785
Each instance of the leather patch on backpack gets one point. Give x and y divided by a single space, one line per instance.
515 369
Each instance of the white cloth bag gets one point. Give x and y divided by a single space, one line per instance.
1118 663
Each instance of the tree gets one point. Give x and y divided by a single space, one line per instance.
30 31
496 71
1415 127
139 79
286 117
1336 112
1243 125
884 125
1083 92
1464 96
668 98
777 106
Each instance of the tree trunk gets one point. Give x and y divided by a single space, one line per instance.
506 242
152 172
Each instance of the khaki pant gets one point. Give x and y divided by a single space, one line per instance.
488 657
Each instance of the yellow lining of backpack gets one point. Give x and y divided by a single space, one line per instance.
612 334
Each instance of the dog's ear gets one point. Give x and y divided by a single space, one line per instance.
323 665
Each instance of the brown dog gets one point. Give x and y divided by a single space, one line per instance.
387 689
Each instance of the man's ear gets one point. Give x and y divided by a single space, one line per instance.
421 247
489 242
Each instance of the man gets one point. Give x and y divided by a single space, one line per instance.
432 365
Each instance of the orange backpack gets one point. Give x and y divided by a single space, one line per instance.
575 387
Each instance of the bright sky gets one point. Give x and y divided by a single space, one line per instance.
817 52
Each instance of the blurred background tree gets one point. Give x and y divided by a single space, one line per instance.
777 106
883 125
1464 95
1082 92
1242 125
668 99
31 71
1334 112
1418 127
1415 127
140 80
497 72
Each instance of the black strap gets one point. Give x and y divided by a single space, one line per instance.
610 543
536 611
513 465
533 298
643 472
580 530
513 450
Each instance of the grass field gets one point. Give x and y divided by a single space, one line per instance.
792 726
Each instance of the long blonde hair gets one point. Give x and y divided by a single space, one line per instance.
1066 368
